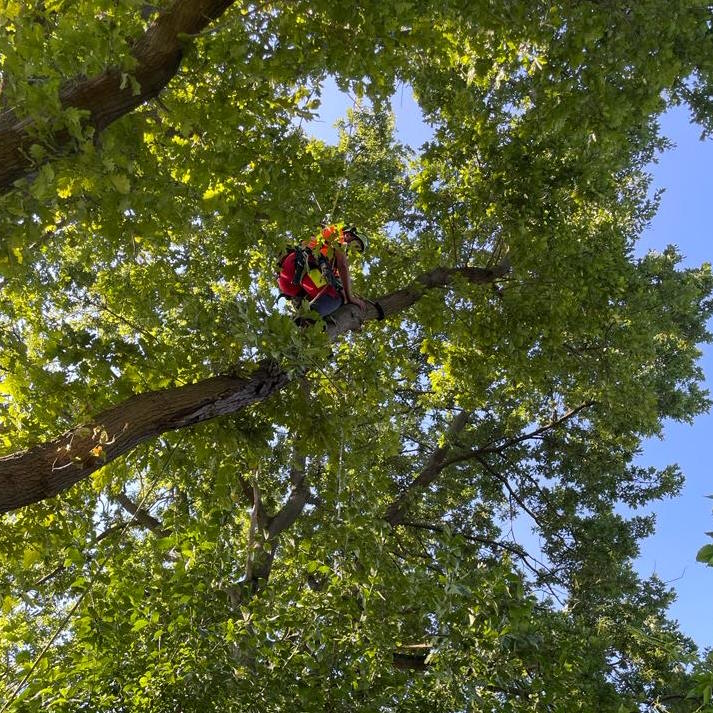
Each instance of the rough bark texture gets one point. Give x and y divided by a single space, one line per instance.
49 468
158 54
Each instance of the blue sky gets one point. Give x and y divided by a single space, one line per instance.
684 220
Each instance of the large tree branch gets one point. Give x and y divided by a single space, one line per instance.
351 318
51 467
446 455
436 463
157 54
295 503
141 515
265 530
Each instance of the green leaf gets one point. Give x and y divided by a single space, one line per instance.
705 554
30 556
121 182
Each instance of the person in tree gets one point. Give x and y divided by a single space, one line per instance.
318 270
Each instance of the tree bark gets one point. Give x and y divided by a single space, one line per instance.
436 464
158 55
448 455
49 468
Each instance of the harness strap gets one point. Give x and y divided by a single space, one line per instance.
325 267
301 265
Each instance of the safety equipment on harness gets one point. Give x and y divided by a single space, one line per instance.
304 275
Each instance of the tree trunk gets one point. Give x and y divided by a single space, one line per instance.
158 54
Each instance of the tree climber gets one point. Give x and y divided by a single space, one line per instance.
318 270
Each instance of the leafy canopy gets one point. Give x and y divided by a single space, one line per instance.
349 542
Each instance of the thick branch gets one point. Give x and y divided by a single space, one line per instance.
157 54
351 318
265 531
296 501
51 467
436 463
142 516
